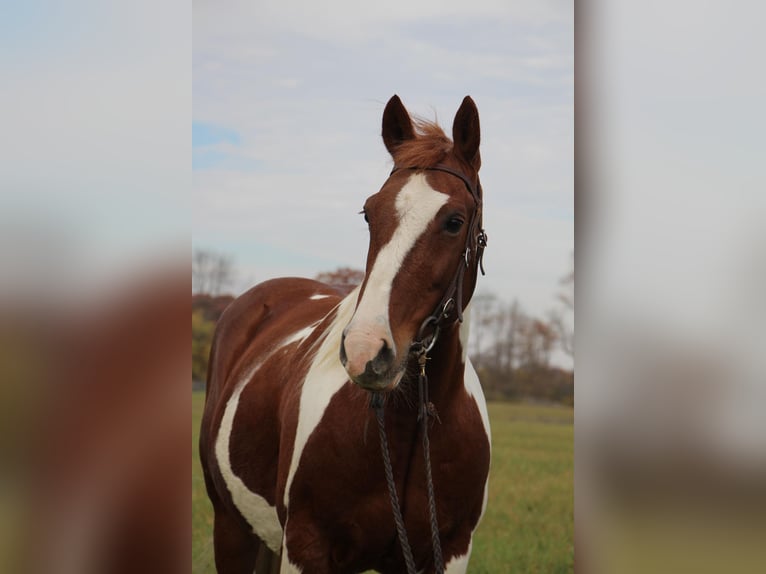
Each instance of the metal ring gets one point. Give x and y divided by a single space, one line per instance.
425 344
433 340
428 320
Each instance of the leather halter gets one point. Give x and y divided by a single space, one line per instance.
476 241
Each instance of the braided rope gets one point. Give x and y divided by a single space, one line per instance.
453 297
401 531
426 410
425 413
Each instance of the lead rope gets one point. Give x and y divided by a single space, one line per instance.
426 409
376 402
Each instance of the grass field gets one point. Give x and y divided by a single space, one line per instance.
528 527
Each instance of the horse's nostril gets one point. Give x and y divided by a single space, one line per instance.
382 362
343 357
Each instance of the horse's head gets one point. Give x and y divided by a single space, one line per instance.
425 244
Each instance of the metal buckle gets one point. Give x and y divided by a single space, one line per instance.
447 308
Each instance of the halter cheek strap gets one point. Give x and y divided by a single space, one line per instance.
476 242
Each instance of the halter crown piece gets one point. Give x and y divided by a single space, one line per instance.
476 242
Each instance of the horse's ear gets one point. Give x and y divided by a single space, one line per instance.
397 125
466 133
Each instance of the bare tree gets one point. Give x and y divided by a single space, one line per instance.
482 317
567 297
343 278
221 274
511 338
557 317
537 342
199 273
211 272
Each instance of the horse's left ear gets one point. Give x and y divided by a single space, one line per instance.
397 125
466 133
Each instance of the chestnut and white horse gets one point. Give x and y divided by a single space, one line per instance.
288 445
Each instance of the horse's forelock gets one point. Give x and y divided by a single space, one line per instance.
429 147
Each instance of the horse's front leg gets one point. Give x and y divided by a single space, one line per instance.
236 549
303 549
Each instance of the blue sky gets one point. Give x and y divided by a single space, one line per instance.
286 128
95 143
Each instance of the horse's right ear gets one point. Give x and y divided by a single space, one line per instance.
397 125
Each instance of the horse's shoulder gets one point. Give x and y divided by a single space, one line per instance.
260 317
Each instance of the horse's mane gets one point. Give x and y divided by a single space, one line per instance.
429 146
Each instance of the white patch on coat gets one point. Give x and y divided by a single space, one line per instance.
287 567
459 564
318 297
465 331
325 377
299 335
484 502
260 515
473 388
417 204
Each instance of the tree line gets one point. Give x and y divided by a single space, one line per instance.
212 273
511 350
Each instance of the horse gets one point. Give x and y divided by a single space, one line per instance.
297 481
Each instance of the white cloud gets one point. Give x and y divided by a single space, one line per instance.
305 87
347 21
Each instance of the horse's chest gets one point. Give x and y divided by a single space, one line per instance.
340 500
341 474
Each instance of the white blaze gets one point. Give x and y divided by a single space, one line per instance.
417 204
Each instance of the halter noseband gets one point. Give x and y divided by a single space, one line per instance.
453 296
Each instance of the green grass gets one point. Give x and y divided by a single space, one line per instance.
202 510
529 523
528 527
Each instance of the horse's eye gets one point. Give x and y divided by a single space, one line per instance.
363 212
453 225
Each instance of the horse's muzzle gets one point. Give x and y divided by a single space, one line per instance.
370 363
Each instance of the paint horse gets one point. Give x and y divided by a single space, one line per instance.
291 462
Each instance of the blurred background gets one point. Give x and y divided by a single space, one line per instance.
94 286
286 148
102 183
671 387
